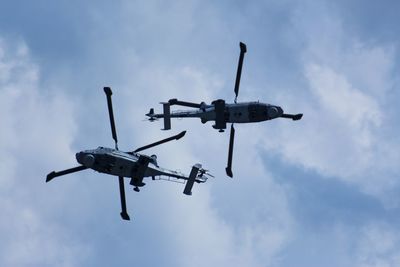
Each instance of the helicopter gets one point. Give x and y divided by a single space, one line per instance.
131 164
223 113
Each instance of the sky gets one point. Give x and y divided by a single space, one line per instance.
322 191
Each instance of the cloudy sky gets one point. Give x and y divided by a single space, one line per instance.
323 191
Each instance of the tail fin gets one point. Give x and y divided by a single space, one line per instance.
167 116
151 115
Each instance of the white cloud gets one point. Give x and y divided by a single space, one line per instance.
336 95
257 232
347 131
30 240
256 224
37 131
263 229
246 221
378 246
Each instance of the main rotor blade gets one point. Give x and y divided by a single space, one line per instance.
183 103
243 50
230 153
294 117
54 174
175 137
124 213
108 92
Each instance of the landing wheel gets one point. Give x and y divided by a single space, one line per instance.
136 189
221 130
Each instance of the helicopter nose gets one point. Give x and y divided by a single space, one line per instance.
86 159
79 157
274 112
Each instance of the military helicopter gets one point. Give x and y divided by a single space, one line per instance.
131 164
223 113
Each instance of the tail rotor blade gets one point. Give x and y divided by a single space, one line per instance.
108 92
230 153
124 213
183 103
175 137
243 50
54 174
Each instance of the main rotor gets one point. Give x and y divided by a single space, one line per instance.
124 213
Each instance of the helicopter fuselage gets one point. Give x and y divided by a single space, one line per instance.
129 164
245 112
125 164
223 113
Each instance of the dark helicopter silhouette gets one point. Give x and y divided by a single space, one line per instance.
130 164
222 113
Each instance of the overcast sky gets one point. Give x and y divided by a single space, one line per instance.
323 191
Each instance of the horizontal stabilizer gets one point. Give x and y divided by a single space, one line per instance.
191 180
151 115
167 116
